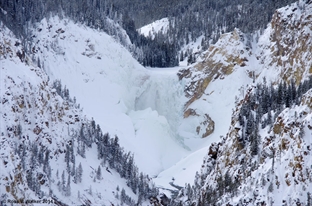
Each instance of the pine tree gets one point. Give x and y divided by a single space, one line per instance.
67 158
141 184
249 125
19 130
68 188
29 178
99 173
73 169
309 199
63 186
280 94
129 168
40 156
71 151
270 188
228 182
59 186
90 190
82 149
265 100
114 152
46 164
122 196
190 59
124 162
81 134
23 156
34 156
288 97
293 91
255 142
284 87
299 93
189 191
269 120
220 185
181 56
78 176
100 149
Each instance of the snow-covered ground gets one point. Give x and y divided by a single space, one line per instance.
141 106
144 107
27 85
151 29
218 101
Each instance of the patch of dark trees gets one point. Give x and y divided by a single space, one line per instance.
264 104
18 16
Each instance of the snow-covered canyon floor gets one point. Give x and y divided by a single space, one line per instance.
142 106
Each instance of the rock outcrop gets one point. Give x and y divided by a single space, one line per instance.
256 162
290 42
228 54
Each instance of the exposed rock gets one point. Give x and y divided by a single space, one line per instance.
228 54
218 62
285 145
291 43
209 124
213 150
282 146
307 100
206 127
190 112
278 127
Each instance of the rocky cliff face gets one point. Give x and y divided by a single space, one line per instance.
280 173
263 159
289 47
219 61
282 51
32 115
229 54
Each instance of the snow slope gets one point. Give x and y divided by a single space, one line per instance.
114 89
282 53
233 63
33 114
218 102
155 27
145 107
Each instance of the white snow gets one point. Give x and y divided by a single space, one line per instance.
142 106
21 79
182 172
155 27
114 89
218 103
196 49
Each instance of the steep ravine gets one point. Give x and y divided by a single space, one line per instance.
143 107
